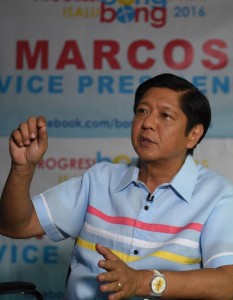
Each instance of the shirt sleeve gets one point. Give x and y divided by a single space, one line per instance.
61 210
217 235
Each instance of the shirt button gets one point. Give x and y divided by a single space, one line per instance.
135 252
146 207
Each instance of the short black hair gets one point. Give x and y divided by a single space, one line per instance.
193 103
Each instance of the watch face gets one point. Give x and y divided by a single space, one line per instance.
158 284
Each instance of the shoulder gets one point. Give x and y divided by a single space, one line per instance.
213 180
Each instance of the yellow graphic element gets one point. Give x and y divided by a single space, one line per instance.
203 162
62 178
161 254
121 158
126 2
81 12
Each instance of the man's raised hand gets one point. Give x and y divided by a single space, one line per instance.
29 142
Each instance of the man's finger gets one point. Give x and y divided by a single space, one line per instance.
42 130
105 252
32 127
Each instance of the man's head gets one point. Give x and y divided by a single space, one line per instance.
192 102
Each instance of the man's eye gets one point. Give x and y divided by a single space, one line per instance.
166 115
141 111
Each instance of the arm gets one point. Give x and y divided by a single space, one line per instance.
196 284
27 145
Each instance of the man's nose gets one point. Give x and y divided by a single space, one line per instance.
150 121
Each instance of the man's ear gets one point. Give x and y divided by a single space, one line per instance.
194 136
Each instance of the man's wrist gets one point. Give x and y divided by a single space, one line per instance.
157 284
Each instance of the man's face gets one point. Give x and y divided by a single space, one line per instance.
158 128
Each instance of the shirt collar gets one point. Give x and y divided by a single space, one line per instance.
183 182
130 176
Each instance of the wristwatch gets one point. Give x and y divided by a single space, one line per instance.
157 284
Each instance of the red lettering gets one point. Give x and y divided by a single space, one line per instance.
72 163
64 163
81 164
106 14
178 54
90 162
169 54
106 50
209 48
133 51
41 164
142 11
40 51
157 14
70 55
51 163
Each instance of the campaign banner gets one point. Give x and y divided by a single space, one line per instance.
78 62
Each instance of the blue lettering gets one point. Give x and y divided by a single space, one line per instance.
126 84
144 78
84 81
117 159
31 84
14 253
109 2
55 84
19 84
29 254
26 254
200 83
99 158
4 86
223 86
50 254
105 82
2 252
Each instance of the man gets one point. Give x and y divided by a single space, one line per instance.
160 228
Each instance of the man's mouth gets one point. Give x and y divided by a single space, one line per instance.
147 140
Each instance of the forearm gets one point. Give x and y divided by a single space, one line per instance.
200 284
16 206
204 284
27 145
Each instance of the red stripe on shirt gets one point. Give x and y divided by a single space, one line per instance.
142 225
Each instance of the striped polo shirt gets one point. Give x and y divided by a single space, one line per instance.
184 224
